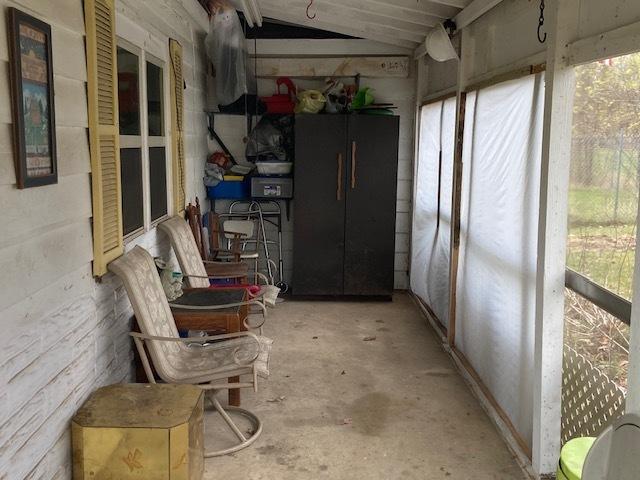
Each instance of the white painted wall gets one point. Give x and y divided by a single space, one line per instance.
64 334
400 91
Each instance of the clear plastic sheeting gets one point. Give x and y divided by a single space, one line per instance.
495 310
431 233
226 48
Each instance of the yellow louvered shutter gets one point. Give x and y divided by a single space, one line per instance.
177 126
102 96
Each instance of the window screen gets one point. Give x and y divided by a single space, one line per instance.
154 100
158 182
132 206
496 289
128 92
430 242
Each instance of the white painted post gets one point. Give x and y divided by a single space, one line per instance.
562 26
633 381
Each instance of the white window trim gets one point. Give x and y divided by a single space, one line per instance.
148 49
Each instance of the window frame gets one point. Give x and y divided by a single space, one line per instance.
126 39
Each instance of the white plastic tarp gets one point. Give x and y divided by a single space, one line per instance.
431 229
495 308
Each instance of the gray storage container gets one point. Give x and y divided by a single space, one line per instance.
272 187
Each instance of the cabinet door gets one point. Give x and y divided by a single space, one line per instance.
319 204
371 205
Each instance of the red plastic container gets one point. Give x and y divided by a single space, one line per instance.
282 103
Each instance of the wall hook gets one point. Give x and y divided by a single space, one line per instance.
308 7
541 38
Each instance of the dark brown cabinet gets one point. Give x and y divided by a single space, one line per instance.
345 204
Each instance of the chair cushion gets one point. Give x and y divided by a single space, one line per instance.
196 361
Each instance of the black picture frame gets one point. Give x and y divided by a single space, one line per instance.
32 98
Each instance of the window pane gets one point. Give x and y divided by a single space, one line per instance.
603 195
154 99
158 182
131 173
128 92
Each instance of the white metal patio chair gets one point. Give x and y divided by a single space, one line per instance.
192 265
203 361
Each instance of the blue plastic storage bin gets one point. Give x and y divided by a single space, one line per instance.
231 189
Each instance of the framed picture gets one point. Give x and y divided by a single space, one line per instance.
31 75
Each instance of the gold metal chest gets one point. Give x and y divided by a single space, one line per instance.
146 432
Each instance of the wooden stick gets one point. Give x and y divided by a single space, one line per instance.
455 217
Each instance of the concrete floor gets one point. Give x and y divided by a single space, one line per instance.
339 407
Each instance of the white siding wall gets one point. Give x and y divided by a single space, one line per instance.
400 91
63 334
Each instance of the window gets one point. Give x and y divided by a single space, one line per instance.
143 139
603 208
430 241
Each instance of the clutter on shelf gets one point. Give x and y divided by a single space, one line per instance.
282 103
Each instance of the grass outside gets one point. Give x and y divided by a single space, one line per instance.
601 243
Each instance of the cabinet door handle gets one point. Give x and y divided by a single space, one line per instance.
354 149
339 191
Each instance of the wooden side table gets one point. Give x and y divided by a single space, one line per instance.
228 320
137 431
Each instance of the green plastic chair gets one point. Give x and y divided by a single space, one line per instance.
572 457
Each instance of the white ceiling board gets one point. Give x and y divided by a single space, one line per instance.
386 11
427 5
377 67
407 9
338 25
454 3
330 47
475 10
330 11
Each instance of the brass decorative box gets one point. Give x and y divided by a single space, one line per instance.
139 431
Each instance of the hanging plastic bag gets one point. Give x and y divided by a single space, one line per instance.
226 48
170 279
310 101
266 142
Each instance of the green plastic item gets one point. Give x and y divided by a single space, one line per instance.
378 111
363 98
572 457
560 475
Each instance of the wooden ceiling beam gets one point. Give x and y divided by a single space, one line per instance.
345 27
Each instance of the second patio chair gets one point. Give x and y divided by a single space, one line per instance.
206 362
191 263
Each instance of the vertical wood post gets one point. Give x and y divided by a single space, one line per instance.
561 26
456 195
456 200
633 392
